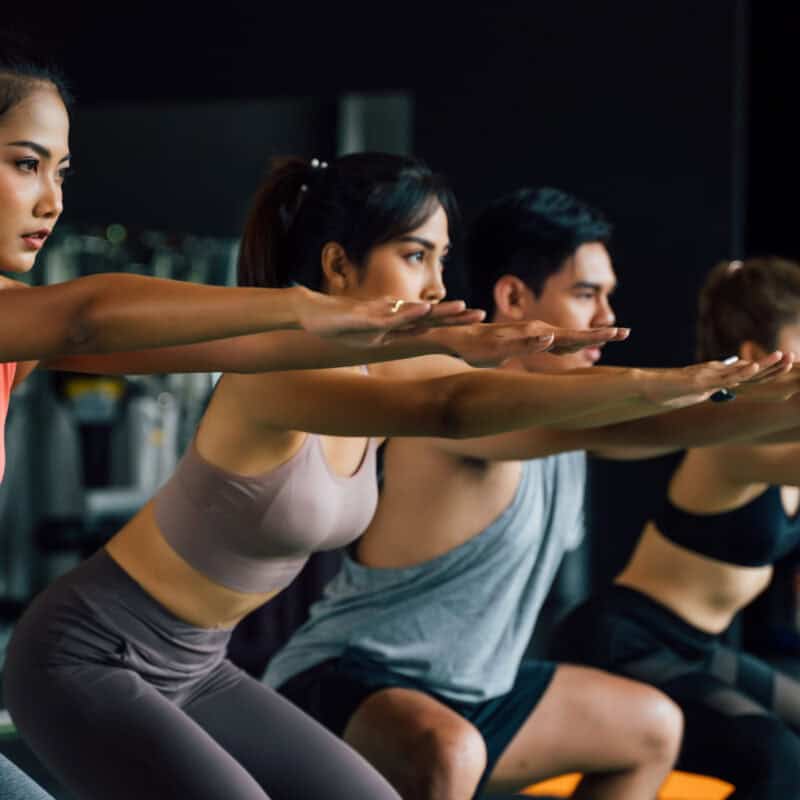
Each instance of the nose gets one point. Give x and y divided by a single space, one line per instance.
50 202
605 315
435 289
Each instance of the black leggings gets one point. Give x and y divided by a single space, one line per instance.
742 717
121 699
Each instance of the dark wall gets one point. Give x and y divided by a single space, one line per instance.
774 151
186 167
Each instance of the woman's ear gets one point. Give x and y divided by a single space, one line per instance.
510 295
336 267
751 351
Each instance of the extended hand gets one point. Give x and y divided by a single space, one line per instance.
570 340
492 343
780 383
685 386
366 323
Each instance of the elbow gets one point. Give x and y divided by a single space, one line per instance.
451 418
83 331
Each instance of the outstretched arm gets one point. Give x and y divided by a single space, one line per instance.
445 333
106 313
454 403
651 427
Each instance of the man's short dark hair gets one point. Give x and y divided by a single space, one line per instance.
528 233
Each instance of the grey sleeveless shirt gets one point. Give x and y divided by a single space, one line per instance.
459 623
255 533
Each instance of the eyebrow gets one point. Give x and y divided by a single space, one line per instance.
426 243
595 287
38 149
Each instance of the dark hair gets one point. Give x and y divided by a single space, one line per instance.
359 201
528 233
747 300
21 75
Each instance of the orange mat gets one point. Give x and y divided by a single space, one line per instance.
678 786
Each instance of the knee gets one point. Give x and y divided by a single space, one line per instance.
449 762
661 731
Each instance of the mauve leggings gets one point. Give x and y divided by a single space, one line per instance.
122 700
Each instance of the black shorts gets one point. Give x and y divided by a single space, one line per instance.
741 716
332 691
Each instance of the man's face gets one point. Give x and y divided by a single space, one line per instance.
577 296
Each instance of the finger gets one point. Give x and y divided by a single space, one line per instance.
471 316
576 336
467 317
447 308
741 373
771 366
395 313
773 372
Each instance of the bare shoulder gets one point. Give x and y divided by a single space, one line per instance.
420 368
9 283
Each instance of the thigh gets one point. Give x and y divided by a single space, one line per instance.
730 735
587 721
733 728
290 754
105 733
776 691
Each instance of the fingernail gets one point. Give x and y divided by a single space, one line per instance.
730 360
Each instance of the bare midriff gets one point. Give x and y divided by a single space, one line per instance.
141 550
703 591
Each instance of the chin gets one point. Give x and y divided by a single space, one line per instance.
19 264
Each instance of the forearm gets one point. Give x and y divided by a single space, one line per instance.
706 424
262 352
484 404
105 313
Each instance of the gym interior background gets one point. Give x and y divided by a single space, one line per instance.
674 117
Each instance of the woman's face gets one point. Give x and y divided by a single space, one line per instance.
409 267
34 158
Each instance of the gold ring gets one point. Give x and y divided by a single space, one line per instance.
396 306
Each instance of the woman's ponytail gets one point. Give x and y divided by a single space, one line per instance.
263 254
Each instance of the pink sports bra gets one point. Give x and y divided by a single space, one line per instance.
255 533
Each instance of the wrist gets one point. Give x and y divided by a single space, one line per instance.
302 303
438 341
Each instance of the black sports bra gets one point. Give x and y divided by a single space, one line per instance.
756 534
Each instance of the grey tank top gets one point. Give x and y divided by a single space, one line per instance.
255 533
460 623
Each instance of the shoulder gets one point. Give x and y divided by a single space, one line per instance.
9 283
419 368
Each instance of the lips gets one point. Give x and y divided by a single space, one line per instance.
36 239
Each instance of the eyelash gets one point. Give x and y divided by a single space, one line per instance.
31 163
419 255
31 166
